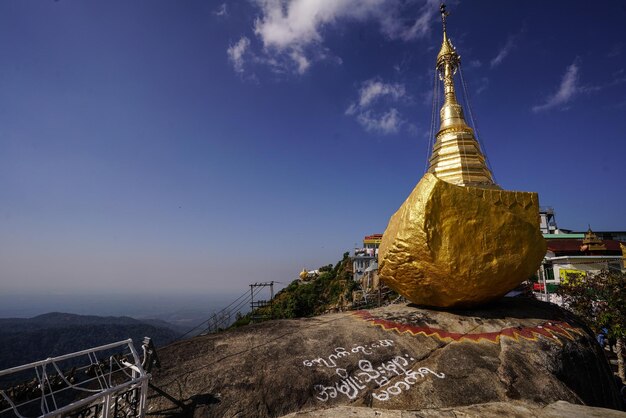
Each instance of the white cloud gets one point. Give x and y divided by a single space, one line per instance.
221 11
568 88
571 87
504 51
370 108
236 53
373 89
302 63
386 123
482 86
295 23
292 31
393 27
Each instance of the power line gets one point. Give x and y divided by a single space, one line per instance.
219 321
206 320
481 144
221 317
431 133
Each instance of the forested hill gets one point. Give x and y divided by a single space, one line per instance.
330 291
25 340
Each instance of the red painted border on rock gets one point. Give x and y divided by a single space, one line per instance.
551 330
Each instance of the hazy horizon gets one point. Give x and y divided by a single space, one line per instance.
140 306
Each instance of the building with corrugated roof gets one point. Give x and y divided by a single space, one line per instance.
576 254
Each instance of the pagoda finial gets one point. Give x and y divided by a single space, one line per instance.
447 60
456 156
444 15
447 49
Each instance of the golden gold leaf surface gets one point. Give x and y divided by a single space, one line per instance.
452 246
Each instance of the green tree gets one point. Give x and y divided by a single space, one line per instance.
600 300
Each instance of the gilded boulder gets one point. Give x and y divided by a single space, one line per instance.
454 246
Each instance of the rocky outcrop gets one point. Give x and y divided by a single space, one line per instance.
560 409
398 357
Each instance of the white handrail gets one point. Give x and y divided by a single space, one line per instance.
108 396
65 357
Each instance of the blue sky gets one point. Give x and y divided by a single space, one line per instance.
199 146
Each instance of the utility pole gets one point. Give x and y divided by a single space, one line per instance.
261 303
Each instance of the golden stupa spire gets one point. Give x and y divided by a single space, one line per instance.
456 156
459 240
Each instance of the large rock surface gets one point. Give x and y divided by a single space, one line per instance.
398 358
517 409
454 246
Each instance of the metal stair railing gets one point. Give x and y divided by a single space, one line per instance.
105 381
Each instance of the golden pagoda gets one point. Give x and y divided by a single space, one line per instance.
459 240
456 156
592 242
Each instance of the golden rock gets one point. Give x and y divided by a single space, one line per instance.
454 246
459 240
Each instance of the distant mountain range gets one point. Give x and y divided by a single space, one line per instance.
24 340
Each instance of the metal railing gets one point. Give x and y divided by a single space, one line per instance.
100 382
